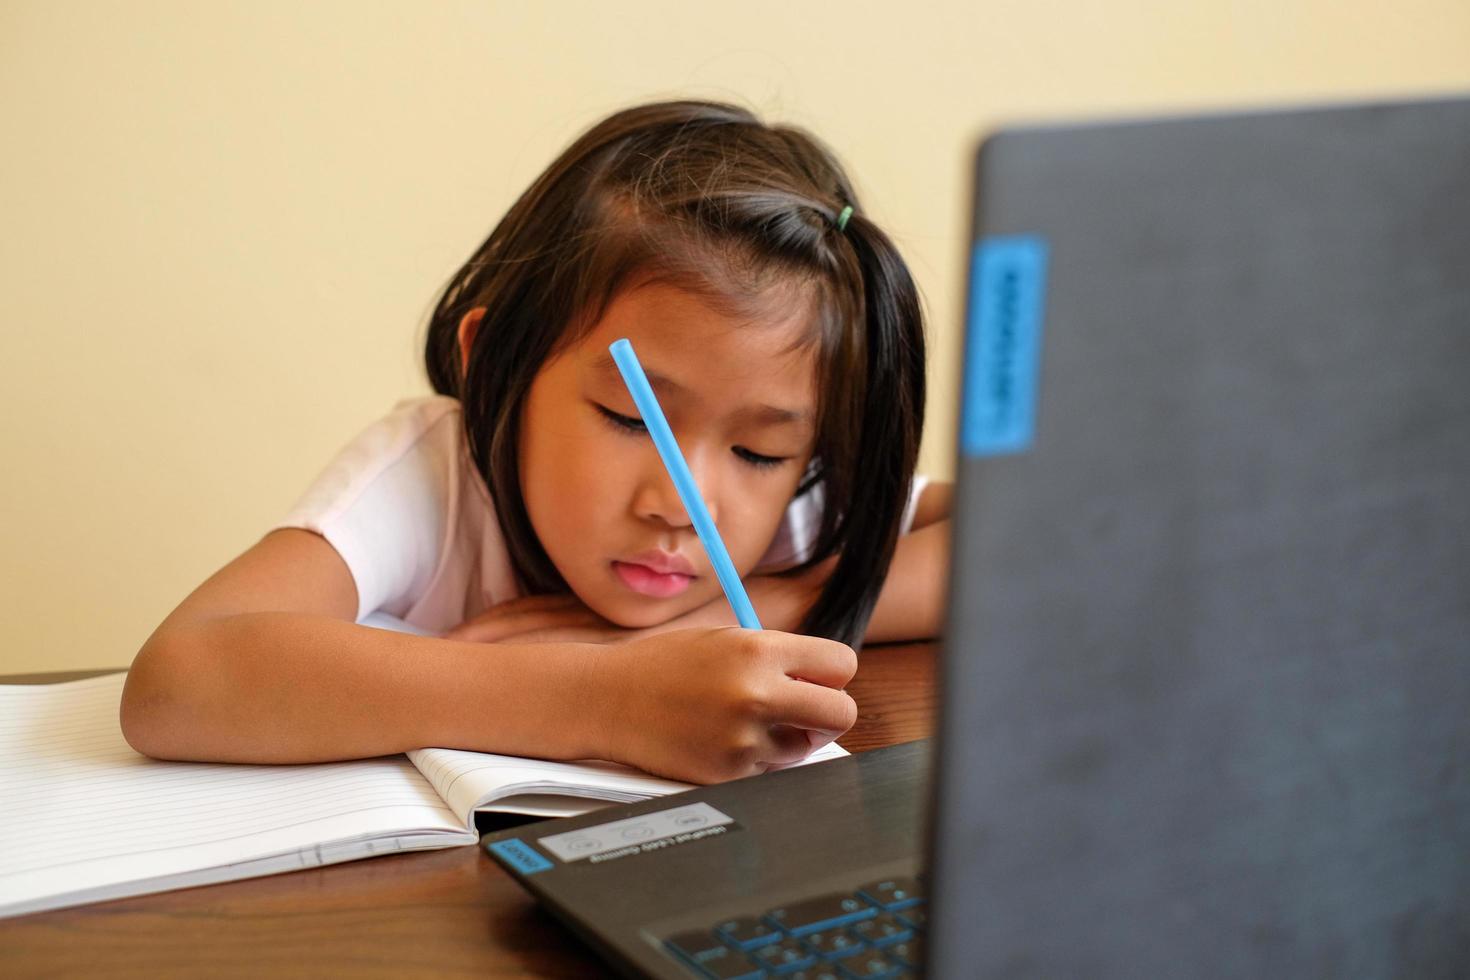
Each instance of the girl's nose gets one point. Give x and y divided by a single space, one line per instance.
657 499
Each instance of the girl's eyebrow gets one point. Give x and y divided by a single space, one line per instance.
762 415
606 370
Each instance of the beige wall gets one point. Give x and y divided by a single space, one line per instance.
223 223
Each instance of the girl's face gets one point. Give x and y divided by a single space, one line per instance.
742 404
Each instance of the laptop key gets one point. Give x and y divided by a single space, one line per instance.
822 971
748 932
915 917
783 957
832 943
869 965
732 966
697 945
908 951
893 893
706 956
882 929
825 912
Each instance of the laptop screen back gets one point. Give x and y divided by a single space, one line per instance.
1207 667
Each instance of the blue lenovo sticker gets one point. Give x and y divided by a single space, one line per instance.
1003 352
520 856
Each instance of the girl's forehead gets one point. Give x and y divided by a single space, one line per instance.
688 343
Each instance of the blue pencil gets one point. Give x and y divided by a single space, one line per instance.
668 451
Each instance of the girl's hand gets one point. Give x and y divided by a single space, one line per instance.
541 619
706 705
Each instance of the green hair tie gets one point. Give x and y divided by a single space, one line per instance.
842 218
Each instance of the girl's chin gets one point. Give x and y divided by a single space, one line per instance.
642 619
632 612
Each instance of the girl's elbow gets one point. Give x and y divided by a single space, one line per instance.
150 709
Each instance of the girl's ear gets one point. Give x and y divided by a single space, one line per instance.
468 328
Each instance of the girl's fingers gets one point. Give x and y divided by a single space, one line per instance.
490 626
812 706
528 614
557 600
788 745
819 739
819 660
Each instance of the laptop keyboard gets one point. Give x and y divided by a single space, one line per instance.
873 932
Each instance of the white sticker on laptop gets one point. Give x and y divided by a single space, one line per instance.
638 835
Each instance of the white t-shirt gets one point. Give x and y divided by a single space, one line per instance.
407 510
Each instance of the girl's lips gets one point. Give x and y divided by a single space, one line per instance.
646 581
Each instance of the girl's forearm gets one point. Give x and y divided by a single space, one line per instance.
911 605
286 688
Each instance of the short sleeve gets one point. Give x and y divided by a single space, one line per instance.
383 503
797 533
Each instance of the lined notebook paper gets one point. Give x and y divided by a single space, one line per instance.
84 818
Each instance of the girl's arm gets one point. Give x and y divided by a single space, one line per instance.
263 663
911 604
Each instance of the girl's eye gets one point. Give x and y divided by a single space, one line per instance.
757 460
627 423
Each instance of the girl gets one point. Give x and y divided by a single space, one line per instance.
522 516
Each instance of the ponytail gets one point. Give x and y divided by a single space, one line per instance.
868 486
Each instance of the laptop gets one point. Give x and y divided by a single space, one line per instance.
1206 671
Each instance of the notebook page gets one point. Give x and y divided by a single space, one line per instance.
471 781
83 816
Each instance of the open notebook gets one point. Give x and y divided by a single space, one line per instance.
84 818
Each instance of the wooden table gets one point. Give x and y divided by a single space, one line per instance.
445 912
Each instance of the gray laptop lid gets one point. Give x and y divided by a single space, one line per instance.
1207 670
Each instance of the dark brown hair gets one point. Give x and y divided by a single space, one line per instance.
707 196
